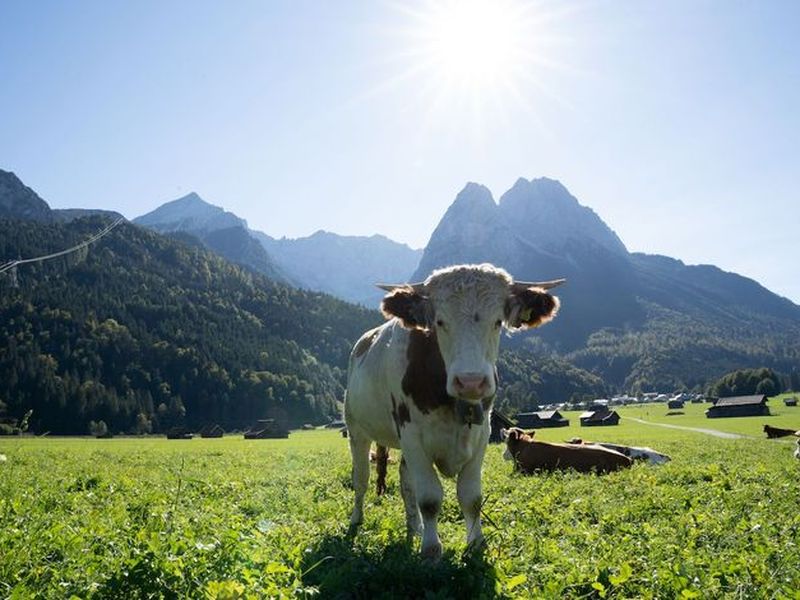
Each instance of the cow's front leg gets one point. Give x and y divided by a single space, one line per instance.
428 491
468 489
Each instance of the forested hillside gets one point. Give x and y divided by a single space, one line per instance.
144 332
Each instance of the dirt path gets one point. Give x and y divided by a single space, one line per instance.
714 432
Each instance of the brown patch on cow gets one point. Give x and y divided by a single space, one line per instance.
365 343
381 460
425 379
400 415
429 509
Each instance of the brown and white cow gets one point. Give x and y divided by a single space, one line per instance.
425 381
531 455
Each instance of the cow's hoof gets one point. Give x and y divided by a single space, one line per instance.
432 553
476 546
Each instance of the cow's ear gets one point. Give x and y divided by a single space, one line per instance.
512 435
530 307
410 306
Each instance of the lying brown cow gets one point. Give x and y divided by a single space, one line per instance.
529 455
777 432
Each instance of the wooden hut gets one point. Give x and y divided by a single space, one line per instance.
675 404
212 431
601 416
499 421
337 424
179 433
792 401
266 429
739 406
541 419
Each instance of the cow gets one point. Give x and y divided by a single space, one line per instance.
777 432
643 453
530 455
797 450
425 382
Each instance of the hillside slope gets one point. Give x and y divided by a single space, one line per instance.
143 331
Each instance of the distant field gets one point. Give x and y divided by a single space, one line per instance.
230 518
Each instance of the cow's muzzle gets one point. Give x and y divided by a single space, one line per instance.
473 386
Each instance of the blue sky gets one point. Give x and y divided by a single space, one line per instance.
677 122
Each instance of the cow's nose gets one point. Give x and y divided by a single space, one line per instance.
470 384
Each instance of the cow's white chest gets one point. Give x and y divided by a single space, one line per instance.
450 445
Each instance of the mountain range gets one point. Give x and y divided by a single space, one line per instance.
637 321
344 266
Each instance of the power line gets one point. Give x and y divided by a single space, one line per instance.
15 263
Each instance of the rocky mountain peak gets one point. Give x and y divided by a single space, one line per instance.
190 213
18 201
544 213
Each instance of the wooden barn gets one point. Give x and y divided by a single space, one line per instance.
179 433
739 406
541 419
212 431
790 401
599 417
499 421
266 429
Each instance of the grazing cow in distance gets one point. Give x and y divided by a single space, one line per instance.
425 381
797 450
633 452
777 432
530 455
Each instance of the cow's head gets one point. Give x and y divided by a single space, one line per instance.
513 438
465 307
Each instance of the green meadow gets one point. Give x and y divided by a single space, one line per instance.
230 518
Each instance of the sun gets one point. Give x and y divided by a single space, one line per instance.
472 44
471 65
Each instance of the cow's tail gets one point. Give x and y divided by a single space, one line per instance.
381 460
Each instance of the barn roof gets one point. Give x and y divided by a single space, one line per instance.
544 415
502 419
741 400
597 415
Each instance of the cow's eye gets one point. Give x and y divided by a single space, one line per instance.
498 323
439 323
